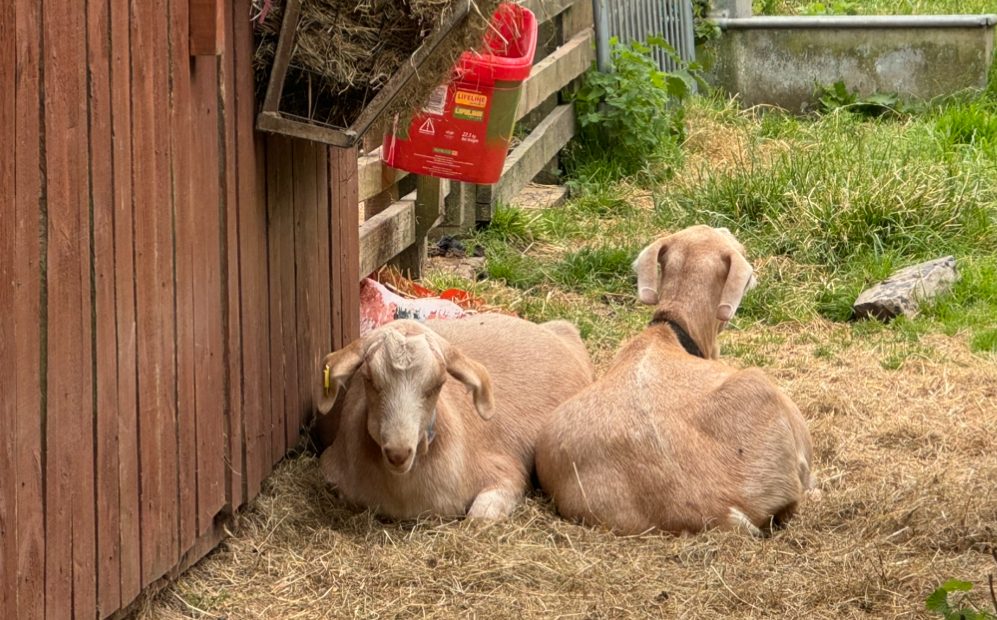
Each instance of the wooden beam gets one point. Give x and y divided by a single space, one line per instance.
282 56
385 235
528 158
557 71
275 122
207 27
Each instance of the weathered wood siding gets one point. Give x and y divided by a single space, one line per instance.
168 281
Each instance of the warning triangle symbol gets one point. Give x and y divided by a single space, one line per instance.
427 127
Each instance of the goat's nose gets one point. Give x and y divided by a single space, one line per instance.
397 456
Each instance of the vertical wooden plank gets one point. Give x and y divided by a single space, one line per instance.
288 287
124 276
8 358
280 241
207 34
28 371
260 325
345 222
208 328
335 271
253 246
185 208
105 336
323 327
231 289
69 529
308 287
154 287
253 277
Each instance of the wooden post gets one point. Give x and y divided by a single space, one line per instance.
428 211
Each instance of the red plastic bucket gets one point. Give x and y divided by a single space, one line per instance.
464 131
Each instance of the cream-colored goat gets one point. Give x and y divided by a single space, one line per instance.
670 439
412 441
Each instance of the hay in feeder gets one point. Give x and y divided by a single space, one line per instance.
346 51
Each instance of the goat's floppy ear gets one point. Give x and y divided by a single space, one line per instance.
336 371
646 267
474 376
738 278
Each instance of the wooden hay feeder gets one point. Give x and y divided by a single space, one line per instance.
272 119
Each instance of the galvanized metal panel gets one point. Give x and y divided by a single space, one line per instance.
636 20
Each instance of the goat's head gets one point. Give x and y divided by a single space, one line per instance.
404 365
703 276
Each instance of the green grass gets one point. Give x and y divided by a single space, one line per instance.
602 268
841 204
872 7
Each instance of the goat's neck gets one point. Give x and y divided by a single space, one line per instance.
693 336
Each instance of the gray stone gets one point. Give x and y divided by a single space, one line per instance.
904 290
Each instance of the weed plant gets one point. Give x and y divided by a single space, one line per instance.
628 118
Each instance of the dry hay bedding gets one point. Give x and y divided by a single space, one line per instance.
907 466
346 50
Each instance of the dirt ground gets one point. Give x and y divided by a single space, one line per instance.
907 466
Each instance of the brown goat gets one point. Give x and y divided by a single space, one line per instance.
411 440
670 439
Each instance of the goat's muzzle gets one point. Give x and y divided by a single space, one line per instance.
399 459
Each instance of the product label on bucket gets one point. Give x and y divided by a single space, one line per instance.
468 114
437 101
474 100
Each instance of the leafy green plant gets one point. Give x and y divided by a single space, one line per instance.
703 27
836 96
628 114
939 603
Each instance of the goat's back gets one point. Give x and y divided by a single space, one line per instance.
533 367
674 442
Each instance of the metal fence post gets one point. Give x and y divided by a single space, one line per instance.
601 34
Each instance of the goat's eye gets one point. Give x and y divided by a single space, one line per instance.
433 390
372 382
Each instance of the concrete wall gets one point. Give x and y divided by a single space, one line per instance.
778 61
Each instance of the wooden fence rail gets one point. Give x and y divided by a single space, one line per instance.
566 51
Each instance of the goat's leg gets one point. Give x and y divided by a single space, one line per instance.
495 502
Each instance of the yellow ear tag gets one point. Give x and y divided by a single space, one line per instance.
325 380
